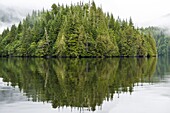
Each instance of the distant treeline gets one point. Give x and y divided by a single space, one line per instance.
162 38
81 30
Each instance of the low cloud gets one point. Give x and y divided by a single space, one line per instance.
11 15
13 11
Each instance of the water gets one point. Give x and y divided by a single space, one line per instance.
127 85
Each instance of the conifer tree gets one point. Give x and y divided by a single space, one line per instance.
81 30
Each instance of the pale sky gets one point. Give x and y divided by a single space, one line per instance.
141 11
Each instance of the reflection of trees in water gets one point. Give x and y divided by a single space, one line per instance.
163 68
76 82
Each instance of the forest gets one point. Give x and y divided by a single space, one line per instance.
78 30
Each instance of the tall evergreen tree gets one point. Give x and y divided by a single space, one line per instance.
81 30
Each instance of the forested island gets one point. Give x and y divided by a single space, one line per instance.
81 30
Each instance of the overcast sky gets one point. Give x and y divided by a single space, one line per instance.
141 11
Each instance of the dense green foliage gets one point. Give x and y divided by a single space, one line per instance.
81 30
81 83
162 38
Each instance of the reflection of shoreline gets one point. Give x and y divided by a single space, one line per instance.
81 83
142 96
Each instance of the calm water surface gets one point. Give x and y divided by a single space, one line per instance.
127 85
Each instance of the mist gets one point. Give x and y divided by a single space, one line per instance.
14 11
161 22
11 15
